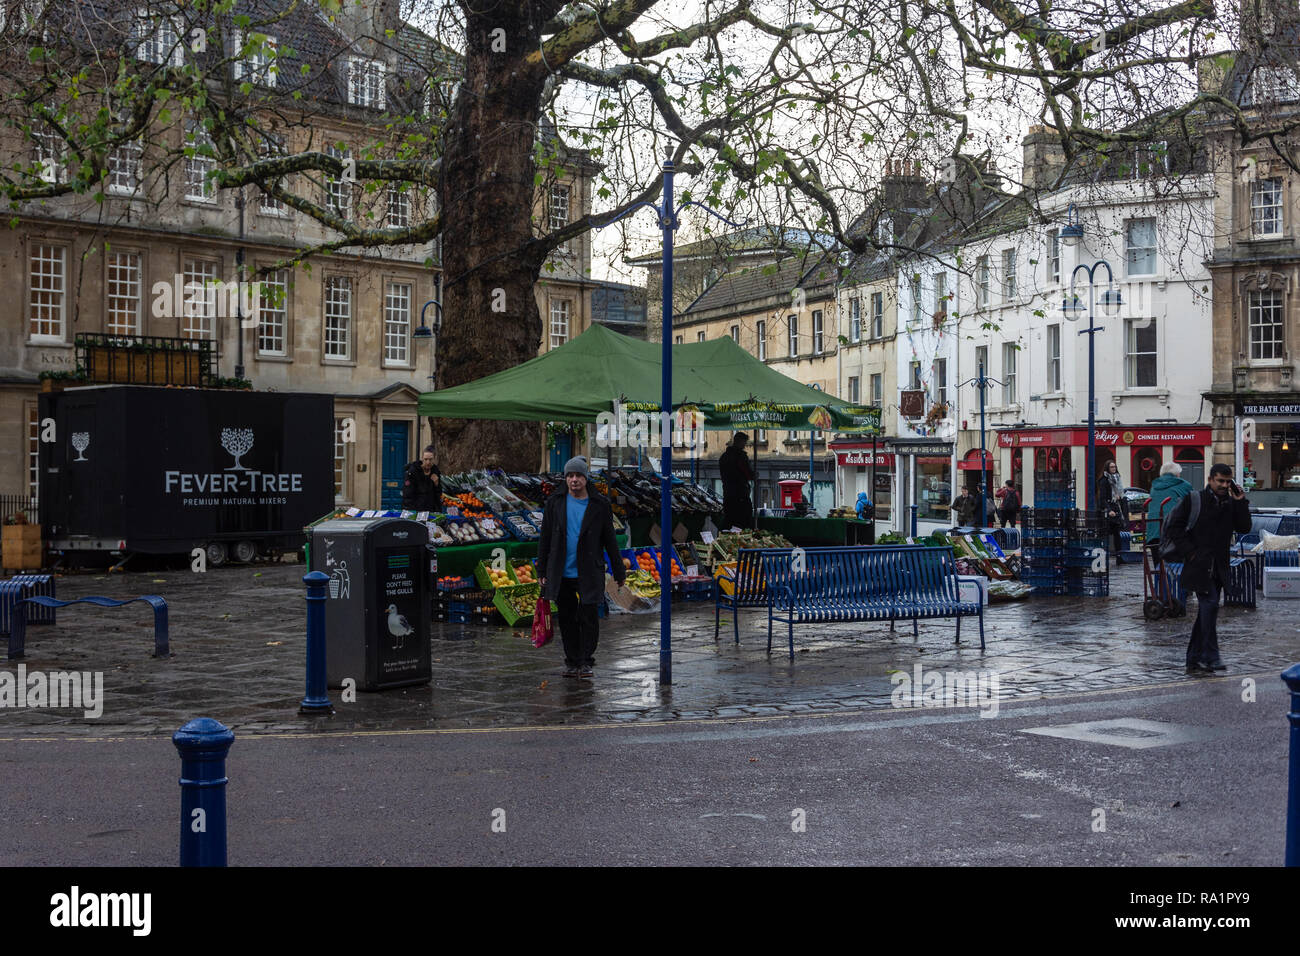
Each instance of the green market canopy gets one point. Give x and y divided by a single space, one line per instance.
600 371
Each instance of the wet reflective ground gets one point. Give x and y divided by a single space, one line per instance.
238 636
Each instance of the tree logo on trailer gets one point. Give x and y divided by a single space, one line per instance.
81 441
237 441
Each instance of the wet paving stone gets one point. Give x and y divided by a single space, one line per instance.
239 650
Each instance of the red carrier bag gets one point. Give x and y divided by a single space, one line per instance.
542 629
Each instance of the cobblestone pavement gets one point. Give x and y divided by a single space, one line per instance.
238 641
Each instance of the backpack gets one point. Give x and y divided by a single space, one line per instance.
1168 549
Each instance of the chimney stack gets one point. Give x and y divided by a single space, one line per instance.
1044 157
902 186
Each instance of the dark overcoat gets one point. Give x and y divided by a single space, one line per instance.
1205 549
594 537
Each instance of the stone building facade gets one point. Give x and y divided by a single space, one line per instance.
159 257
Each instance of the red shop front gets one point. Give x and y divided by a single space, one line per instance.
855 464
1139 451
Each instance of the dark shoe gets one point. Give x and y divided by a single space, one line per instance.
1197 668
571 671
586 672
1215 666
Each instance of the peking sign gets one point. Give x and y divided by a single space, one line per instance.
1163 435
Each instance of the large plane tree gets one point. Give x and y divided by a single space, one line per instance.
778 112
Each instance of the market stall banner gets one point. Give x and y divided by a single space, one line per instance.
744 416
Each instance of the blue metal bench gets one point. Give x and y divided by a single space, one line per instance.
1246 577
21 586
749 589
18 630
865 584
1269 559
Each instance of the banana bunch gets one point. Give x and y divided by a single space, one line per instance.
642 584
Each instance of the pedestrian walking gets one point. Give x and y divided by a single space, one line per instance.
1009 507
1200 532
737 476
1111 504
964 507
577 526
422 487
1167 485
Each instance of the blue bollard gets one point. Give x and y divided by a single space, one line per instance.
203 745
317 700
1292 678
912 508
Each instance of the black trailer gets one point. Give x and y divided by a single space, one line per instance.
142 469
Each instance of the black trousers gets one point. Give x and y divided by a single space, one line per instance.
737 511
1203 648
579 627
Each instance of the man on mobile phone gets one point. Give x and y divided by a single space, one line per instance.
1201 528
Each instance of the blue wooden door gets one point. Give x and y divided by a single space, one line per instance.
394 462
562 452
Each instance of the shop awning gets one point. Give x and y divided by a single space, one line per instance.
972 461
601 370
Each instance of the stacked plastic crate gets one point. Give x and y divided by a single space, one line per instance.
1087 560
1046 531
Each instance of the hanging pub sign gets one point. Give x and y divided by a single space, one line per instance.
911 402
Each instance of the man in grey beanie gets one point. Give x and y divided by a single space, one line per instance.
577 525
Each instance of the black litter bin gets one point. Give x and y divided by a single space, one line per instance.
377 612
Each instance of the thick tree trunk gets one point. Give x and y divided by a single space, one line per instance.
490 260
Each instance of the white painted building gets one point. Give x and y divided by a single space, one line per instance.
1152 358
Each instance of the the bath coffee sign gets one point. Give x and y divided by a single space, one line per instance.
236 483
1265 411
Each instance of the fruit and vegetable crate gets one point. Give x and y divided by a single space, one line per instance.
697 588
525 572
489 578
518 602
455 583
520 526
674 557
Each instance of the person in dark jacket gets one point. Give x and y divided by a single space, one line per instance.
577 525
422 487
1009 507
964 507
1168 485
737 476
1112 504
1204 550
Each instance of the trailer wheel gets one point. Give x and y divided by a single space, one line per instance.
1153 610
216 551
245 552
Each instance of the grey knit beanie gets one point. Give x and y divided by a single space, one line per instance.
576 464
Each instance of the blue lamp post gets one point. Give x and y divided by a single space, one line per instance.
668 223
982 382
1072 305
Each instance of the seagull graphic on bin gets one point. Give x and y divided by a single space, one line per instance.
399 627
